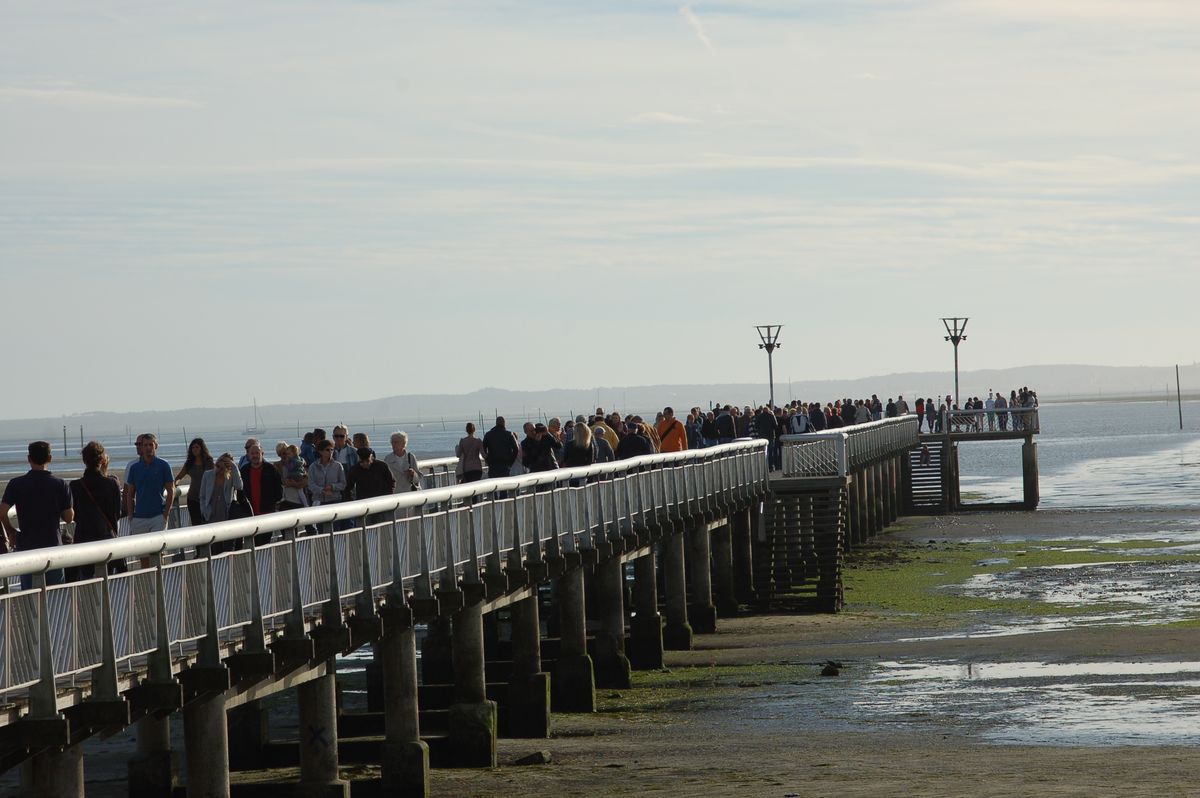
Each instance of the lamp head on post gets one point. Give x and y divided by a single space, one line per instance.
769 333
956 329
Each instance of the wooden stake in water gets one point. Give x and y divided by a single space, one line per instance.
1178 396
64 440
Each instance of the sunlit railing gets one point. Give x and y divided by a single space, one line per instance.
62 635
836 453
966 422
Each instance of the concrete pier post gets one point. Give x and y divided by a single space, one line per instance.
877 492
677 634
646 631
611 664
853 512
54 774
1029 474
153 770
722 571
886 492
874 522
319 739
472 717
405 756
206 747
702 613
905 484
573 687
743 556
528 709
867 496
248 731
437 657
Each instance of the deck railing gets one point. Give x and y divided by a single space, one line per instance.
836 453
1023 420
90 631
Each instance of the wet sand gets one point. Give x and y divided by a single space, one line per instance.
757 719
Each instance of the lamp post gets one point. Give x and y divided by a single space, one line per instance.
769 333
955 334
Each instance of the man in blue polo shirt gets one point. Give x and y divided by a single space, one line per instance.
42 501
147 481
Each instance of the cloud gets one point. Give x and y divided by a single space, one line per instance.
70 96
664 118
694 21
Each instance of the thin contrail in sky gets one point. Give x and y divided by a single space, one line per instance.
694 21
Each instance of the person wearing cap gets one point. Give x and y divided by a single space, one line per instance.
540 450
635 443
605 431
371 477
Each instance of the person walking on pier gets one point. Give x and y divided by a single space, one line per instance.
671 432
919 409
96 497
469 452
403 464
370 478
326 477
198 461
343 452
42 501
1001 406
264 488
901 406
501 449
539 450
150 490
931 414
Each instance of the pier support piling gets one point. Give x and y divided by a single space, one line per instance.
54 774
646 631
472 717
722 571
319 739
405 756
677 634
528 711
743 556
206 747
154 769
611 664
702 614
1029 474
573 686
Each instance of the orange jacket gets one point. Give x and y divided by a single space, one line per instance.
673 435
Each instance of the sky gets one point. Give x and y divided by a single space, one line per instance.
205 203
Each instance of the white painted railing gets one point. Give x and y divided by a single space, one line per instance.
836 453
89 631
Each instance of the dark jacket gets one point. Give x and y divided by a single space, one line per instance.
367 483
817 417
634 445
765 426
272 487
97 501
725 428
604 452
540 455
575 455
500 447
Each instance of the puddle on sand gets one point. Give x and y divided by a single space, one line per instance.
1101 703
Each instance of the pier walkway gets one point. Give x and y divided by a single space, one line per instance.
208 636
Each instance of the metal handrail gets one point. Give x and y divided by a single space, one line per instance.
839 452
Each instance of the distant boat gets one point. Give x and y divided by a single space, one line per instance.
256 426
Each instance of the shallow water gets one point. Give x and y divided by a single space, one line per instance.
1097 703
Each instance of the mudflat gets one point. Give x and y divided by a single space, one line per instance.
748 713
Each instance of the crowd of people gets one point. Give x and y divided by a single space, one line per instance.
343 467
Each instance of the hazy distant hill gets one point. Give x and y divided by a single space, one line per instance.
1051 382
